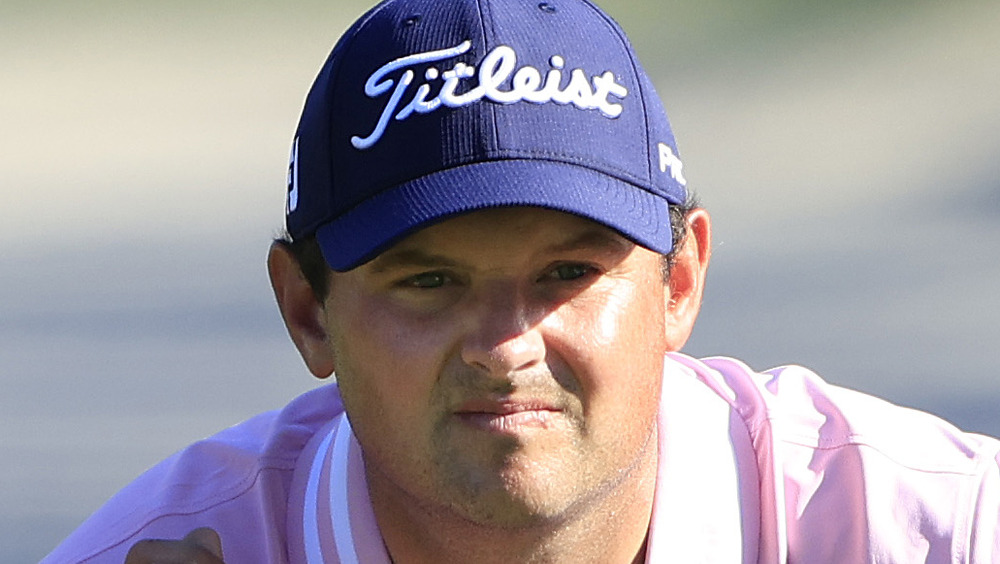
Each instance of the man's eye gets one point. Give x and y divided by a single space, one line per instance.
426 280
570 271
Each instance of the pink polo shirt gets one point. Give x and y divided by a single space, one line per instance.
773 467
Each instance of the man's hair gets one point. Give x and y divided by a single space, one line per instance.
315 270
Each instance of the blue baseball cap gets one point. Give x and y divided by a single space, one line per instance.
429 108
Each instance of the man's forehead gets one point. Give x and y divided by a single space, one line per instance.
546 230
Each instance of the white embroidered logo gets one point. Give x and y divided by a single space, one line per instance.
668 160
293 179
498 66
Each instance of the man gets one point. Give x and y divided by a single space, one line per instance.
491 246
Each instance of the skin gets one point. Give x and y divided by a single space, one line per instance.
501 370
200 546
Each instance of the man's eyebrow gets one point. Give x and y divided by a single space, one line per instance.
409 258
599 238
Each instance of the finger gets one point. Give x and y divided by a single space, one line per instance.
190 550
207 539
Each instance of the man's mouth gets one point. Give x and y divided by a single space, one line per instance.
508 416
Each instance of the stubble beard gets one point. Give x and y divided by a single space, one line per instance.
515 491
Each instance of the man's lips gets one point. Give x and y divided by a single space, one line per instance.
508 416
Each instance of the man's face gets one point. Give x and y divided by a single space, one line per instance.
503 365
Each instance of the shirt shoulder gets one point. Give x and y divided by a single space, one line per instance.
853 477
796 406
237 479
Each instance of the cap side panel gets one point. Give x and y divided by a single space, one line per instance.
638 71
317 166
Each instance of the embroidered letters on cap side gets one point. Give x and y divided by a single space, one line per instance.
670 161
292 197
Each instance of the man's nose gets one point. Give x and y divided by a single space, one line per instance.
504 333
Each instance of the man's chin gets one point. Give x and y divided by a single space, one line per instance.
512 513
513 498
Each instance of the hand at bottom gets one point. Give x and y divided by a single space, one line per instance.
200 546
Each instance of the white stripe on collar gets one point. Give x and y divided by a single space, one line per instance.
350 512
340 514
310 521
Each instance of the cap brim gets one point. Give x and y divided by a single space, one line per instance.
365 231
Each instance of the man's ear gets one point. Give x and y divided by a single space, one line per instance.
687 279
304 315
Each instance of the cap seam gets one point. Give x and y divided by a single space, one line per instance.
489 39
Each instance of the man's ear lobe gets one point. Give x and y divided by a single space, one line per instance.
304 315
687 279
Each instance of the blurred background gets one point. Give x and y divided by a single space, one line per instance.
849 152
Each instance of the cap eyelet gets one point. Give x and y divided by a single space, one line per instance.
412 20
547 7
